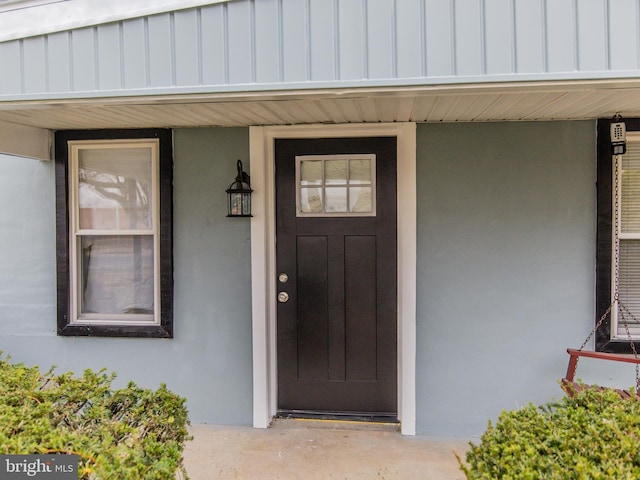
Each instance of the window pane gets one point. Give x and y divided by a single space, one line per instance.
360 171
310 172
311 200
360 199
116 274
114 188
629 281
630 218
336 198
335 172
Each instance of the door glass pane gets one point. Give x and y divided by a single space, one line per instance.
360 171
311 172
116 274
114 188
360 199
336 198
335 172
311 200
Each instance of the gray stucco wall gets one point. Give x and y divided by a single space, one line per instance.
506 242
506 255
209 359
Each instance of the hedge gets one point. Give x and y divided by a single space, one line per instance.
129 433
594 435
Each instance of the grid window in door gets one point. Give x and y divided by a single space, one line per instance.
336 185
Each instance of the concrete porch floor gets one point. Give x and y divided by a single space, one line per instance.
304 449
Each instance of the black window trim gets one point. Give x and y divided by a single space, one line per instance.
604 236
165 328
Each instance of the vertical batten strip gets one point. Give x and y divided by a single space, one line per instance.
172 53
365 39
336 35
423 39
545 40
454 43
254 55
607 31
280 42
70 50
637 35
225 36
514 38
147 54
96 58
23 86
394 39
199 53
46 64
483 37
576 43
307 39
576 21
122 62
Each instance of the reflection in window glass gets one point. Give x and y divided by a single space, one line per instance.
114 189
360 171
336 199
311 172
311 200
117 274
335 172
360 199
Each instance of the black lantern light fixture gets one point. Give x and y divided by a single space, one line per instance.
239 195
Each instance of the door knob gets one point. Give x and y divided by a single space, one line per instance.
283 297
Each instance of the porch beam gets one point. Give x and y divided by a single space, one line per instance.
24 141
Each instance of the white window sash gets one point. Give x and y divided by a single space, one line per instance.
618 328
76 234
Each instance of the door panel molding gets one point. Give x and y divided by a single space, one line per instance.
264 276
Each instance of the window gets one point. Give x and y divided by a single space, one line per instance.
336 185
618 243
114 253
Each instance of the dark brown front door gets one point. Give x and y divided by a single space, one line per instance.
337 280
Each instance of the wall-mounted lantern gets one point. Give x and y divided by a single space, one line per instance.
239 195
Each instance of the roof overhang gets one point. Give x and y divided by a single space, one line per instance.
515 101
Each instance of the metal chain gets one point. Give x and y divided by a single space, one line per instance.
621 309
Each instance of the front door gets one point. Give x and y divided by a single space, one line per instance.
336 275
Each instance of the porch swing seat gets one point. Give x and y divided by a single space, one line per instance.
571 387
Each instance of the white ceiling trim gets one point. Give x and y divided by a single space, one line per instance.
28 19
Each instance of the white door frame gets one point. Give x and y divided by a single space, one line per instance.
263 255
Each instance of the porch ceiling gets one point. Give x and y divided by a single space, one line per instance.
532 101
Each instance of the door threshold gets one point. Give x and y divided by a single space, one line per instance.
330 420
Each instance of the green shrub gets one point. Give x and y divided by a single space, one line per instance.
129 433
595 435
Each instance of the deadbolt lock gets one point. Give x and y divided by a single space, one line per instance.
283 297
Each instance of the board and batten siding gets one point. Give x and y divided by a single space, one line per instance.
245 45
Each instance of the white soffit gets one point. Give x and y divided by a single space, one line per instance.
27 18
470 103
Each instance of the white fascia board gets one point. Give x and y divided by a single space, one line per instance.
28 18
24 141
